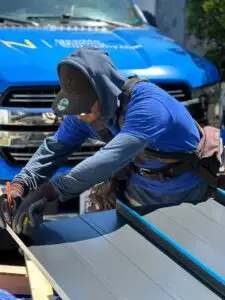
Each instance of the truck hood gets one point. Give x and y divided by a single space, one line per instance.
30 56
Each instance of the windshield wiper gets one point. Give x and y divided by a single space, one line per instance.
66 18
18 21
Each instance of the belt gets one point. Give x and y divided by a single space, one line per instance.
165 173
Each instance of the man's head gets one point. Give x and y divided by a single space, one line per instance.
90 85
77 95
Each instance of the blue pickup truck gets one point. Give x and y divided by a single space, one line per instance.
36 35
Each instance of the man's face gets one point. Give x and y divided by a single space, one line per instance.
92 116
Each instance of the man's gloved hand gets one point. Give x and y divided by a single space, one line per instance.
29 214
17 191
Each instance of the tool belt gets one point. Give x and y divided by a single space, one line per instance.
204 162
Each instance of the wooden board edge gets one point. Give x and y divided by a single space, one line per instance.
13 270
39 266
40 287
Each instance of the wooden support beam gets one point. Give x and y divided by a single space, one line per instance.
39 285
25 280
14 270
14 280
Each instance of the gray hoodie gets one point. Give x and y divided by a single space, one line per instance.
102 73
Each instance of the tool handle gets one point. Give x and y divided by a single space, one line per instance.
8 192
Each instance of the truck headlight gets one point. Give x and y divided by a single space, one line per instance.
211 100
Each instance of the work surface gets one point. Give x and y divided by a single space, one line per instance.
199 229
99 256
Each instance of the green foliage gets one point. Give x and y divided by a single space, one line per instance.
206 20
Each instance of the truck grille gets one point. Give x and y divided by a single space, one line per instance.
20 156
183 94
29 97
34 97
178 90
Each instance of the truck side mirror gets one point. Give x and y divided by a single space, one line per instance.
150 18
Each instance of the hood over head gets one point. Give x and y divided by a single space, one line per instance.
85 76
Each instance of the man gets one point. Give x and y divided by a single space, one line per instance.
93 106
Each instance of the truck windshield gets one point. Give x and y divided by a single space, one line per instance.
122 11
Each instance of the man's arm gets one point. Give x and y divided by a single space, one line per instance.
43 163
121 150
54 149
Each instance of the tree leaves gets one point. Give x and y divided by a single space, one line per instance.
206 20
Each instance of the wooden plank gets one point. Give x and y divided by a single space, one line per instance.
15 270
17 284
39 285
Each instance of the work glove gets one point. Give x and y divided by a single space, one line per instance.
17 191
28 215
